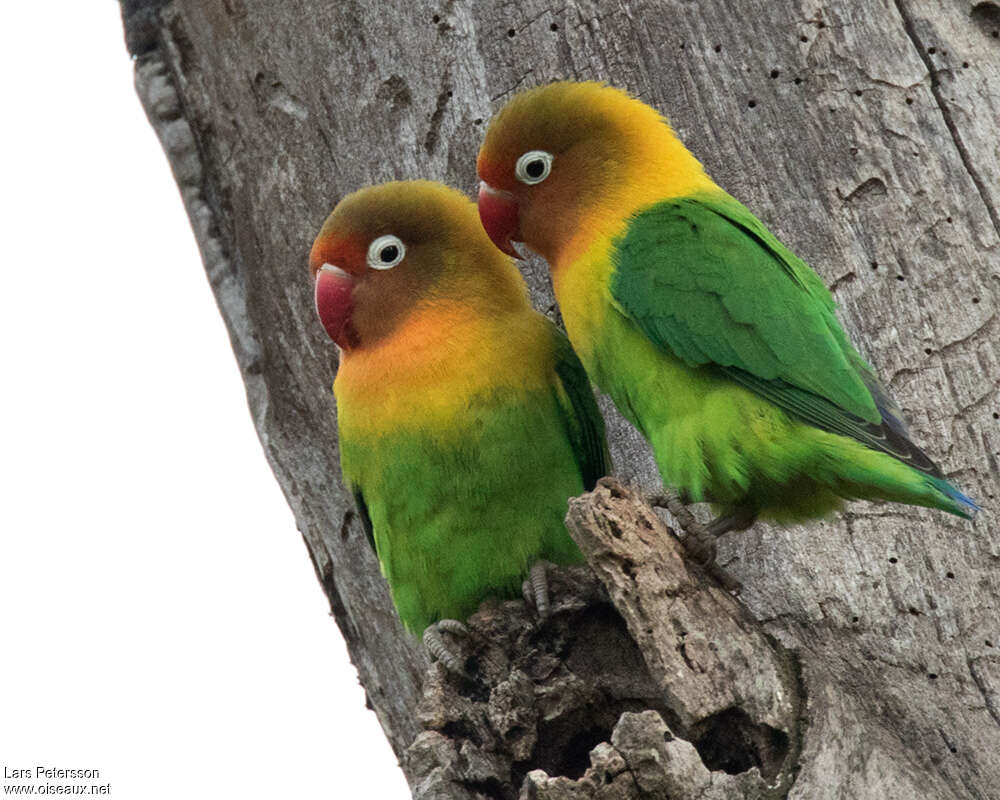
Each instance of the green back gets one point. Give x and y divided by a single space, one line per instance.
704 279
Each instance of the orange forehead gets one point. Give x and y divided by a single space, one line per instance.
345 250
496 170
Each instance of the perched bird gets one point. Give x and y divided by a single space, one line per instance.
712 338
465 419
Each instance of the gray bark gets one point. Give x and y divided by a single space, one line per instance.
862 658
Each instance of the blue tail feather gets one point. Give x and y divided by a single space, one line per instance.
965 506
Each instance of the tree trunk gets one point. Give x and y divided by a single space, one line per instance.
862 658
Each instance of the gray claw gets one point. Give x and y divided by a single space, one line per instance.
527 592
439 650
699 539
535 590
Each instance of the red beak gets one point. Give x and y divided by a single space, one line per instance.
500 216
334 302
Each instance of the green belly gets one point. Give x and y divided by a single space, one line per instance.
461 514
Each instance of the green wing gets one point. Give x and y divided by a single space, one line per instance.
703 278
582 417
366 520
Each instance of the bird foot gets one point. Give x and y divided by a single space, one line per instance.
535 590
699 539
440 651
742 519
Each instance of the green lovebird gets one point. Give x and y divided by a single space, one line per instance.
465 419
712 338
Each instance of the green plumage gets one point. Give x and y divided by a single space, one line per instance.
703 277
768 404
460 511
710 336
465 419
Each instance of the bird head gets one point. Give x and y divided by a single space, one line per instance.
386 251
555 154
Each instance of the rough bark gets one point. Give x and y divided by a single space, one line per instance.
864 134
648 681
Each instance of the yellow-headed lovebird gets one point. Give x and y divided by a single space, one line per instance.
712 338
465 419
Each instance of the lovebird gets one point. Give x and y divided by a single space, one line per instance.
465 419
711 337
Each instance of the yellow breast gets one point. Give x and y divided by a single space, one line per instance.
425 374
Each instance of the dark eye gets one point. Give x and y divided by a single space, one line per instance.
386 252
533 167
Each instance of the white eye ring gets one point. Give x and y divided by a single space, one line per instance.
377 250
526 169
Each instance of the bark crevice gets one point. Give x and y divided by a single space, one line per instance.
935 85
647 660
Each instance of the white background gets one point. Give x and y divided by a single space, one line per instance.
159 616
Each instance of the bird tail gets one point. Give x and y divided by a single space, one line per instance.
961 505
